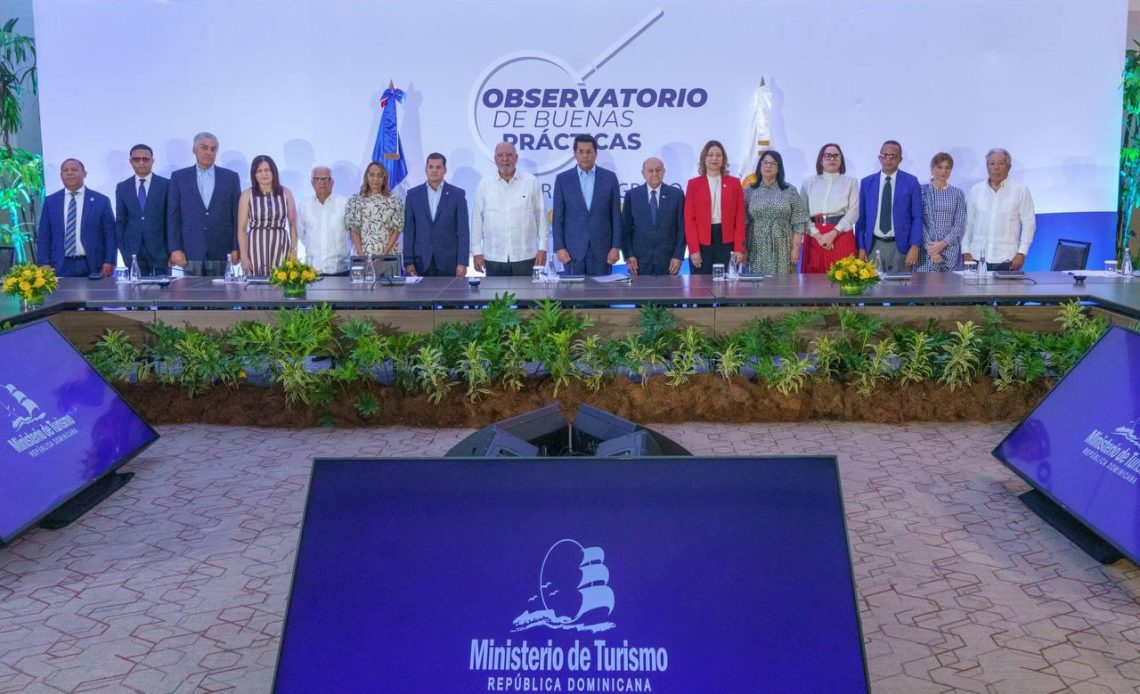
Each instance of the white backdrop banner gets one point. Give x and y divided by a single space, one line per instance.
301 80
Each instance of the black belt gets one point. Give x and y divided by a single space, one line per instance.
827 218
75 257
884 238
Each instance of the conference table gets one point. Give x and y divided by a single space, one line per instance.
207 302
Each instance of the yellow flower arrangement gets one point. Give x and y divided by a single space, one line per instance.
852 275
30 282
293 276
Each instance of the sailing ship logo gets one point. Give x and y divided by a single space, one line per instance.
573 590
21 409
1130 432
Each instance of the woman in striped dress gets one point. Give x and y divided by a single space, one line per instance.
267 220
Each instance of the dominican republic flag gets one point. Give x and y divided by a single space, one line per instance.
388 150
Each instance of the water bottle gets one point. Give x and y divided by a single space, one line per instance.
551 272
878 261
135 275
1127 269
733 269
370 270
982 268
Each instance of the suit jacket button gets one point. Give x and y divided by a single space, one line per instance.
142 218
207 214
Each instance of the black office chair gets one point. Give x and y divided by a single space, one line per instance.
7 257
1070 255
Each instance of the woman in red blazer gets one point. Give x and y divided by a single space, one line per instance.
714 239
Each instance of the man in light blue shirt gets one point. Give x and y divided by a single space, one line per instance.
587 213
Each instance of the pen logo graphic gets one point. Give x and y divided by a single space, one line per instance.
21 409
538 101
573 590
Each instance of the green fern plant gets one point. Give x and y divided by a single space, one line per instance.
366 404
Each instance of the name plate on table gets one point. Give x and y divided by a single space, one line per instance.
895 276
749 277
1008 275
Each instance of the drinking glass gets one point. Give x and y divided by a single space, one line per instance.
1110 266
971 266
718 272
538 273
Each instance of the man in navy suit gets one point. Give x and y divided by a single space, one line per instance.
201 212
140 214
653 224
437 236
890 213
587 214
76 235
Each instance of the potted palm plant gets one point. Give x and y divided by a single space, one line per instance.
21 172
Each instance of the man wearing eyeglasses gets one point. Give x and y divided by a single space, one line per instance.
140 214
321 229
890 213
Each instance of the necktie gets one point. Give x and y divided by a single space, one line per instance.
885 207
69 246
142 193
653 207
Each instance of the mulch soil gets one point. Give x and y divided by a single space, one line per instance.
705 398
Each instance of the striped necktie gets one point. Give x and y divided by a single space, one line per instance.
69 244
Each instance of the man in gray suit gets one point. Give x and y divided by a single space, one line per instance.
140 214
201 212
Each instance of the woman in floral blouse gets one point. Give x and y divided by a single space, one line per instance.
375 216
777 219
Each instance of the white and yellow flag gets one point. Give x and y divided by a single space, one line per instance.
761 133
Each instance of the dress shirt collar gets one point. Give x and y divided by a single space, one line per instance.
78 193
582 173
659 189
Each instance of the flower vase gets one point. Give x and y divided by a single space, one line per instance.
851 288
294 292
33 302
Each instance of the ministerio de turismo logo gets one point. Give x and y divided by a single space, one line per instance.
573 590
32 432
538 101
572 594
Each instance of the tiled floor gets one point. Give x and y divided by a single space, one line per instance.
178 582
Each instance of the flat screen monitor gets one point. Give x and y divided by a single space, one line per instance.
666 574
64 426
1081 445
